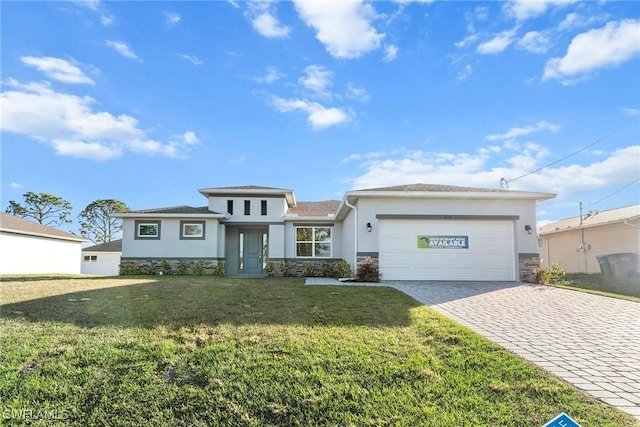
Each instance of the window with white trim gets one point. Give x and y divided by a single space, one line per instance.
147 230
90 258
313 242
192 230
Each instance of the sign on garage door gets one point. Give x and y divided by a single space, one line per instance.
446 249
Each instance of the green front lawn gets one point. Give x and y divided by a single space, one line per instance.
203 351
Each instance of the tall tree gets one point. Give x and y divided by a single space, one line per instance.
96 222
44 208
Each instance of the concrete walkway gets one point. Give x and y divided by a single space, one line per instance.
593 342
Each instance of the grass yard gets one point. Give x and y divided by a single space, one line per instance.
607 285
204 351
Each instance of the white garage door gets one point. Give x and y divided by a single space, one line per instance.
446 250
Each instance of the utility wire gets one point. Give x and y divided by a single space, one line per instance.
615 192
562 159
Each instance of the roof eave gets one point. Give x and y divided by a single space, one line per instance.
309 218
211 192
168 215
47 236
583 226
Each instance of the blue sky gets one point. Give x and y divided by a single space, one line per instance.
146 102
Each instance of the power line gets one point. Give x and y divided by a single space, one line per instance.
615 192
506 182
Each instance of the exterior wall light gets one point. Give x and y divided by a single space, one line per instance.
369 227
528 229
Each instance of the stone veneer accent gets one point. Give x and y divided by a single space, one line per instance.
528 263
154 265
326 267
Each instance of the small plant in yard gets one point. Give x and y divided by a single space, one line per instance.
129 269
165 268
308 270
198 268
218 270
269 269
344 269
555 275
367 273
327 270
182 267
284 269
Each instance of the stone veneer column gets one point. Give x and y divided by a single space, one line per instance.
528 263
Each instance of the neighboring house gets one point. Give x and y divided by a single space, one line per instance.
574 243
27 247
411 232
102 259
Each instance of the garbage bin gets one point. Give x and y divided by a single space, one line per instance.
623 265
605 267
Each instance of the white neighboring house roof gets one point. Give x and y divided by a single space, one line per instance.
592 219
15 225
112 246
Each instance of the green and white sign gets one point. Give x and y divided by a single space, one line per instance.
443 242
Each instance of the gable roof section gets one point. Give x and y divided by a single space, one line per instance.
15 225
435 191
112 246
592 219
249 190
173 211
324 208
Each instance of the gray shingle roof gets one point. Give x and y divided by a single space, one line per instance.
17 225
434 188
112 246
176 210
323 208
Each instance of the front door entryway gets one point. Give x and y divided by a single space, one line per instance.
252 251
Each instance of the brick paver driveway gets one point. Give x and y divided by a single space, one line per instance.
588 340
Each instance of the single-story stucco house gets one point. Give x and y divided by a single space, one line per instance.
575 243
102 259
410 232
27 247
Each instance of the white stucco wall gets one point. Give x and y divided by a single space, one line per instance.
106 263
368 208
275 208
24 254
170 245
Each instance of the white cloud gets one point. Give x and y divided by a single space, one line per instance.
107 20
535 42
465 73
357 93
122 48
319 116
526 9
516 132
609 46
16 186
631 111
191 58
471 38
500 42
269 26
343 27
317 79
71 127
390 53
189 138
90 4
483 168
237 160
575 20
272 75
172 18
57 69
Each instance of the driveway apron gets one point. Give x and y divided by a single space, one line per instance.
591 341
